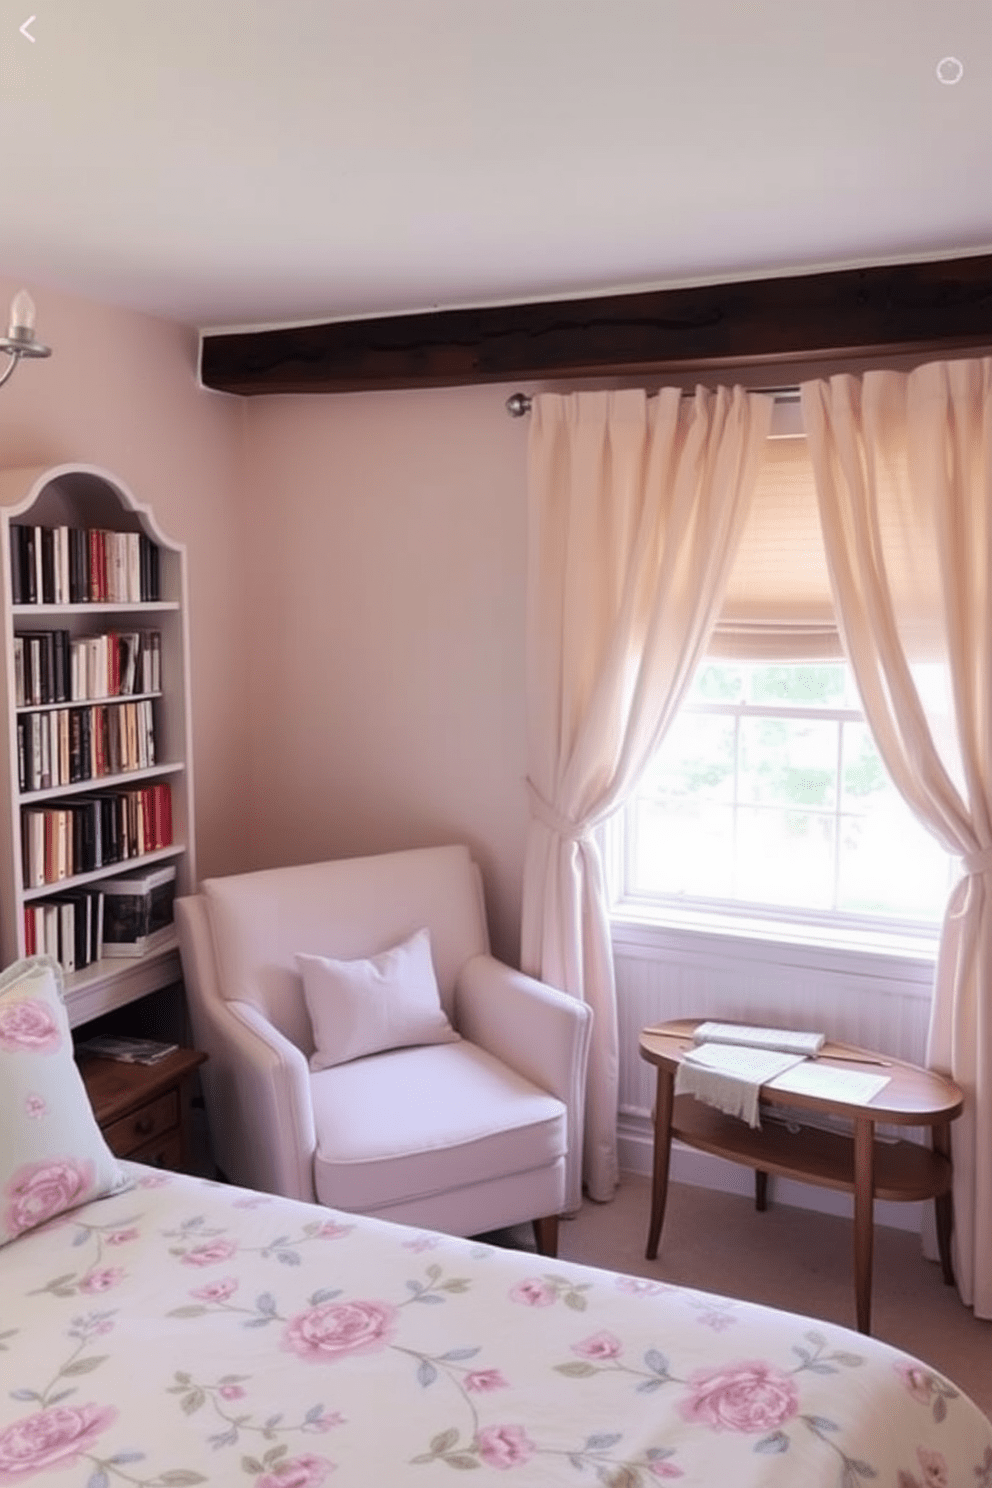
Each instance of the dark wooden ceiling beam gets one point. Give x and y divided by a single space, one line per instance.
902 307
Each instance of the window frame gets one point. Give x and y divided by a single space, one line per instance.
914 937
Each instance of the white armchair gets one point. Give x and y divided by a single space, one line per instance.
464 1136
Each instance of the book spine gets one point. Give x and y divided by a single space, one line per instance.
46 751
67 935
34 755
16 531
60 678
47 565
63 568
20 697
22 755
33 680
62 715
28 568
39 566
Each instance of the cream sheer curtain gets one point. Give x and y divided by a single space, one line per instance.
903 466
636 506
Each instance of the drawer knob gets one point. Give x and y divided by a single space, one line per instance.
144 1125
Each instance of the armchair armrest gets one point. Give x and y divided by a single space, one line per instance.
536 1030
257 1082
274 1103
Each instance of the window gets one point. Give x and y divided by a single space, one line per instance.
768 797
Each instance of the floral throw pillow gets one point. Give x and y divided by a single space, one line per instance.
53 1156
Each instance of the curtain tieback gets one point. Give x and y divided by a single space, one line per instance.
978 862
552 819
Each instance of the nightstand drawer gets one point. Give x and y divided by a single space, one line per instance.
126 1136
165 1152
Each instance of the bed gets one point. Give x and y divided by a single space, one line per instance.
159 1330
181 1332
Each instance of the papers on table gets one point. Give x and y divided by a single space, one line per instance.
741 1063
812 1077
730 1077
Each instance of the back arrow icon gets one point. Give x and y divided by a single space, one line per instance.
24 29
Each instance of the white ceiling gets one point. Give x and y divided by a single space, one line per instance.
237 162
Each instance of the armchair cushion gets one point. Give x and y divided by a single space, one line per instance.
360 1007
432 1119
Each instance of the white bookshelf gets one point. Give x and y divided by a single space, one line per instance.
85 496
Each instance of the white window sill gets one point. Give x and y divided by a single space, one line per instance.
637 925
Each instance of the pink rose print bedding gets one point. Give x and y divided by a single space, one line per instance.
27 1025
183 1333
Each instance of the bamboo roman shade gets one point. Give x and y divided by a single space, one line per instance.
779 605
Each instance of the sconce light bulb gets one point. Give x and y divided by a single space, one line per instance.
21 312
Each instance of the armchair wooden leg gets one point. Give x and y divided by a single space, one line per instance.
546 1235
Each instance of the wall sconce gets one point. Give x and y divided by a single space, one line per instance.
20 338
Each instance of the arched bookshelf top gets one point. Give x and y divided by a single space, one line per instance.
78 495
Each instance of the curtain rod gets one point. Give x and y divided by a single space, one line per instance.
519 404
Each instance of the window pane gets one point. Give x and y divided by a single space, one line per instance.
785 857
745 802
818 686
863 779
889 863
684 847
695 761
788 761
717 683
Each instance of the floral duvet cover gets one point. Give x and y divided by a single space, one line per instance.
183 1332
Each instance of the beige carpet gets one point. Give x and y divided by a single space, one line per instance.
790 1258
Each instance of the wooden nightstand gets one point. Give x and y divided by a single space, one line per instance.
140 1107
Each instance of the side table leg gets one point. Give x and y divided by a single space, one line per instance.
760 1190
662 1151
944 1205
864 1203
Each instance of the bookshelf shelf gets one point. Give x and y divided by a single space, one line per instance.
113 870
131 697
86 498
92 608
99 782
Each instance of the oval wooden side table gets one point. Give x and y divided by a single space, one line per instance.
854 1162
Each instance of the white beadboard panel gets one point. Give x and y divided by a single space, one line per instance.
881 1002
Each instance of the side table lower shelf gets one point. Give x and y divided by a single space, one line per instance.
140 1107
902 1170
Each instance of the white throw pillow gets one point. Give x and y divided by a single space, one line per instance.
364 1007
53 1156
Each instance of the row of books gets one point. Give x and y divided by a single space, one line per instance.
91 831
69 928
118 917
51 666
67 745
81 565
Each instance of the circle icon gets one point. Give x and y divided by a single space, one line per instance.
950 71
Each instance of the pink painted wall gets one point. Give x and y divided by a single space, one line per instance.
120 391
357 571
387 552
